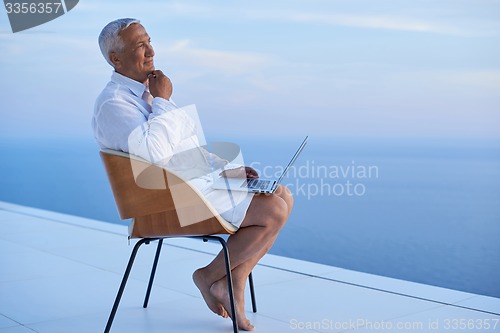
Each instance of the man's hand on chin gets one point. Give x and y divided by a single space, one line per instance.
160 85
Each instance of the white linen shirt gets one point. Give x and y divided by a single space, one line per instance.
124 121
120 109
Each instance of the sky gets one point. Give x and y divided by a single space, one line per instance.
352 68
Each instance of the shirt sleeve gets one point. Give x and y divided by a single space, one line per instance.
114 121
167 128
160 106
219 163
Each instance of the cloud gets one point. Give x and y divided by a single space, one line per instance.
462 26
489 79
485 81
370 21
150 11
462 21
31 50
227 62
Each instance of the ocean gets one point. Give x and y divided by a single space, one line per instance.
420 210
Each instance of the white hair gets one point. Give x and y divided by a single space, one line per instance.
109 38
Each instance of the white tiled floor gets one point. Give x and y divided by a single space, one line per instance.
60 273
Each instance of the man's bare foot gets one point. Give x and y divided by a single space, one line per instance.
212 302
219 291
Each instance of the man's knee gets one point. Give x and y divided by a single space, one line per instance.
270 211
278 212
285 194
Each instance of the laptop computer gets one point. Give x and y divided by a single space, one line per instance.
257 185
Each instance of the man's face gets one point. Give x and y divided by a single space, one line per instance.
136 59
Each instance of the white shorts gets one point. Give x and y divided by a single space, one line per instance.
231 205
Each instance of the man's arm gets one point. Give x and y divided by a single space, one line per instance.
113 121
156 139
166 127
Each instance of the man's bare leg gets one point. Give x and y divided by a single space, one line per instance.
240 274
265 218
212 302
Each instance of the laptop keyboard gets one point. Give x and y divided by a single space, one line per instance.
257 184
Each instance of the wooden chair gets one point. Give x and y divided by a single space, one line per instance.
143 192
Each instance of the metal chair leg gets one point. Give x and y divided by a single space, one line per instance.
153 272
252 293
124 282
229 279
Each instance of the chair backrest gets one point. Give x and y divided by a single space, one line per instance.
143 191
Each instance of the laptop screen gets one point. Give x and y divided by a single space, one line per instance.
297 153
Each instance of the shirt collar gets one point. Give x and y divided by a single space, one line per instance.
135 87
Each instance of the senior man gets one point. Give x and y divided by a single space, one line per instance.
136 103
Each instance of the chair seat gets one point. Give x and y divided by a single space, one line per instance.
154 226
142 191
